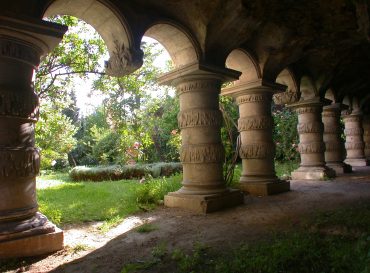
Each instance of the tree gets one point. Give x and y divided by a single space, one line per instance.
78 55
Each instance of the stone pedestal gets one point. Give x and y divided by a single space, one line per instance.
23 231
202 153
366 135
257 147
354 141
311 145
334 152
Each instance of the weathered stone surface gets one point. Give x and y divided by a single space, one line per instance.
311 142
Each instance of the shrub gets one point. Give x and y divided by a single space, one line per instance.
118 172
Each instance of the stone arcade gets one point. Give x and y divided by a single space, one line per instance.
310 56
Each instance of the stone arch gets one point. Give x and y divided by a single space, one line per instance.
308 88
243 61
125 56
330 95
181 46
292 94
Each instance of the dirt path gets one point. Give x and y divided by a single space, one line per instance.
109 252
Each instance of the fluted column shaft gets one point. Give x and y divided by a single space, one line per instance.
334 146
23 231
354 138
311 144
257 149
202 153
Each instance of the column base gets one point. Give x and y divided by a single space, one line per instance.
313 173
35 245
357 162
204 203
264 188
340 168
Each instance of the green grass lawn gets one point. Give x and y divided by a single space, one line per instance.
64 201
110 201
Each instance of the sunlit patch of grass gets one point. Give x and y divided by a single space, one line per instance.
108 201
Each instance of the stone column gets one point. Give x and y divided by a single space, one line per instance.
366 136
311 145
257 147
202 153
23 230
334 152
354 140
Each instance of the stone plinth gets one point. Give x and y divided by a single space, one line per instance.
366 136
354 140
311 145
334 147
257 149
23 231
202 153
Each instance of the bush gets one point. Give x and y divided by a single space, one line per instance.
285 135
118 172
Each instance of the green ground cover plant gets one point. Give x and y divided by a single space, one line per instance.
77 202
330 241
119 172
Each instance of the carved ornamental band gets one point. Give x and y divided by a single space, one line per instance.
255 123
311 148
285 98
253 98
199 117
19 104
310 127
354 145
352 118
205 153
305 110
12 49
257 151
197 86
353 131
19 162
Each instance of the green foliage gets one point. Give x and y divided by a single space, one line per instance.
152 192
285 135
146 228
327 242
54 136
118 172
107 201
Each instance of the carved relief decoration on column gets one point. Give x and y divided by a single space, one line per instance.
253 98
124 61
202 153
311 148
310 127
197 86
353 131
304 110
257 151
19 162
354 145
12 49
285 98
352 118
199 117
331 114
255 123
21 104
